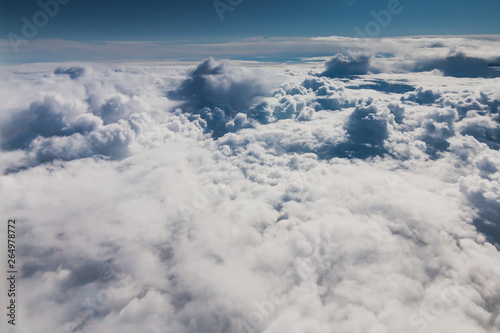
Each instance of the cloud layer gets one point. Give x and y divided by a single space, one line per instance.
347 65
221 198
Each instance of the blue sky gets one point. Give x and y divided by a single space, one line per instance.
198 21
181 22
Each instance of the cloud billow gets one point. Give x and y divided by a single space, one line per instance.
224 198
218 92
459 65
347 65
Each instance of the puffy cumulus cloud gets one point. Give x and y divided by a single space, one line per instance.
438 127
347 65
328 95
459 65
300 100
102 113
367 129
358 132
483 194
110 140
218 92
323 204
421 96
483 128
48 117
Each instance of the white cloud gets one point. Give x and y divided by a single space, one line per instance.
406 50
459 65
346 65
367 204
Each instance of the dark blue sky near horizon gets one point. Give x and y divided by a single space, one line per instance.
197 21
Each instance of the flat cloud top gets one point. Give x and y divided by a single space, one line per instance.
273 49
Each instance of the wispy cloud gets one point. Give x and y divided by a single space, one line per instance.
271 48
